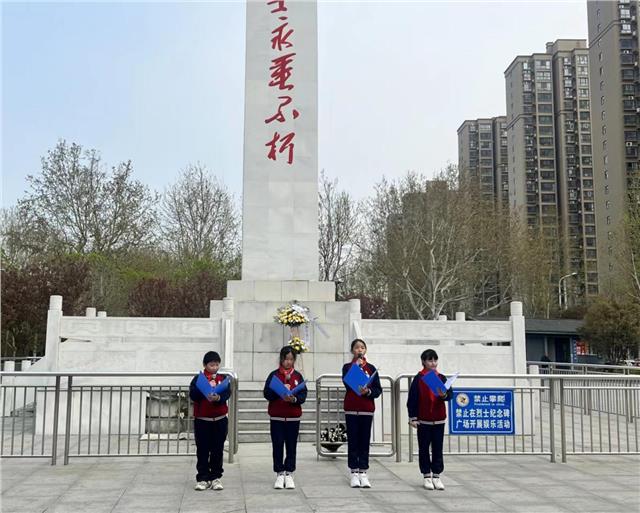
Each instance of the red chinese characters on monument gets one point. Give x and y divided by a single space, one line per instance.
281 71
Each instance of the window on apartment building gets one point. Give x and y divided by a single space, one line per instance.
582 59
604 129
585 138
584 104
605 159
545 120
626 58
601 85
547 187
583 70
600 55
583 92
628 89
625 14
603 115
588 207
543 64
543 86
590 218
545 107
548 198
587 184
630 135
606 189
626 43
583 82
601 71
584 115
545 141
590 230
585 126
607 204
568 92
608 219
606 174
602 100
591 253
587 172
585 148
604 145
543 75
544 97
627 74
586 160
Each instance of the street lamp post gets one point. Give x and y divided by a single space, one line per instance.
565 290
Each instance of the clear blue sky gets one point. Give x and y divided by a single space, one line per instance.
162 84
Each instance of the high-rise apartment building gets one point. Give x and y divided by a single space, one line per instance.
482 155
615 86
550 172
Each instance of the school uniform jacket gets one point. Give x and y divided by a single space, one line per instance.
279 409
361 404
202 407
423 405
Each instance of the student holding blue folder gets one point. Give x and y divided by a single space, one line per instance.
210 423
285 412
428 414
359 408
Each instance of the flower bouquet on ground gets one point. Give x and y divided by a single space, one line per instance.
331 438
292 315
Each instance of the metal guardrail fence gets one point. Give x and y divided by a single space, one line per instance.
99 420
330 394
532 435
556 413
585 398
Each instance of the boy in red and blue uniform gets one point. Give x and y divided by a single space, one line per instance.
210 425
428 414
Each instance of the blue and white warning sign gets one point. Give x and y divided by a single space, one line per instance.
478 411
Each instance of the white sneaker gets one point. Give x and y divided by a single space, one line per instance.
355 480
288 482
279 484
202 485
217 484
364 480
437 483
428 484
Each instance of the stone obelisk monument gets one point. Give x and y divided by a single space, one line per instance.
280 175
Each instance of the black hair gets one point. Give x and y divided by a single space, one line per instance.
355 341
211 356
428 354
285 351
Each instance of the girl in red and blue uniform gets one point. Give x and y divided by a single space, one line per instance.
285 418
359 410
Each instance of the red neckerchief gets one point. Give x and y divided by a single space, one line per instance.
364 364
424 371
286 373
210 377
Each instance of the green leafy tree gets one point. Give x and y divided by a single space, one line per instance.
612 328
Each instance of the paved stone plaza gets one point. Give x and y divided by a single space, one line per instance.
165 484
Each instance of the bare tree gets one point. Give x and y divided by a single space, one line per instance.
199 218
422 240
339 226
74 205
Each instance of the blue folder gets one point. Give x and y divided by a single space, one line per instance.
278 387
205 387
357 378
433 381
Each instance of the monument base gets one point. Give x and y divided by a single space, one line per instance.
285 291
